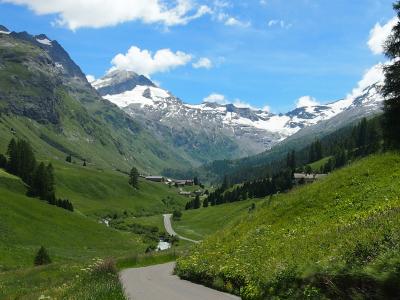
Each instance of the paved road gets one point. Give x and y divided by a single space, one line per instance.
158 283
171 231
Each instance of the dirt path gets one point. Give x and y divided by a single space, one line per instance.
158 283
171 231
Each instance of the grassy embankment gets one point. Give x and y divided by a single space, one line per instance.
337 238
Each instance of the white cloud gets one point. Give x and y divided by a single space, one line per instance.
379 34
90 78
203 62
223 100
75 14
241 104
279 23
144 62
306 101
371 76
263 2
216 98
232 21
221 4
266 108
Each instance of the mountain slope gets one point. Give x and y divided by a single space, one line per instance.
25 224
334 239
45 98
211 131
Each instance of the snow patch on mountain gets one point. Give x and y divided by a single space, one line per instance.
257 127
142 95
44 41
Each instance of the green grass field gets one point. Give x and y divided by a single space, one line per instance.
337 238
101 192
28 223
198 223
316 166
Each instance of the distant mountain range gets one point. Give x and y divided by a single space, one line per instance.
252 130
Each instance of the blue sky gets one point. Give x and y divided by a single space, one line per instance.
265 53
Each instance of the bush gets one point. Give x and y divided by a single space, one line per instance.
42 257
177 215
106 266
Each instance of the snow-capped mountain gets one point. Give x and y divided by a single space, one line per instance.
252 130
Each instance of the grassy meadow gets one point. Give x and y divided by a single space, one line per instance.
337 238
198 223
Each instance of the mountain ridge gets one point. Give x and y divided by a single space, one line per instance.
253 130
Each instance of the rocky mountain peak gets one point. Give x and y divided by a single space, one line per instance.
120 81
4 29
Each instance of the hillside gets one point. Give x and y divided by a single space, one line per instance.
336 239
105 192
46 99
25 224
199 223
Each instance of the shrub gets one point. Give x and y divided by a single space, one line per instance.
177 215
42 257
106 266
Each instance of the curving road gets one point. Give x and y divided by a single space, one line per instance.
171 231
158 283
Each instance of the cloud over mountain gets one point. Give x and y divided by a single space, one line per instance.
379 34
75 14
146 63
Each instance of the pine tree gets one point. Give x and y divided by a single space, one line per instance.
38 185
196 203
12 164
134 178
69 158
225 183
205 202
42 257
391 90
196 180
3 161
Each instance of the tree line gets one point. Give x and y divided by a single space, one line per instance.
341 147
20 161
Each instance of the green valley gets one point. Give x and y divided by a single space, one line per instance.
114 188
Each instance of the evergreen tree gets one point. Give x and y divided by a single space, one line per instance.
3 161
21 160
225 183
38 184
84 163
291 161
134 178
196 180
196 203
391 90
205 202
69 158
12 164
42 257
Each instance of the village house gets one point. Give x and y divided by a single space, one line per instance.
155 178
303 178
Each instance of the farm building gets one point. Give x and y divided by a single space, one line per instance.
155 178
302 178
